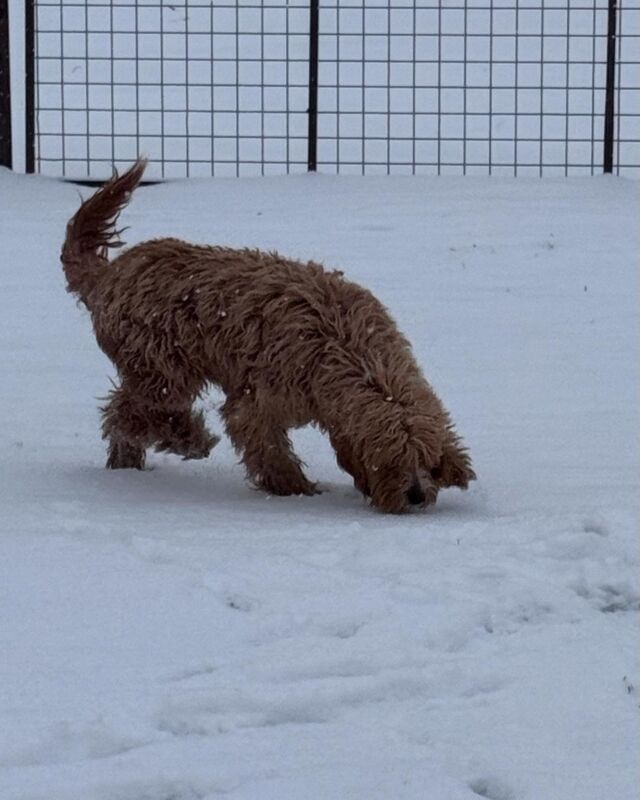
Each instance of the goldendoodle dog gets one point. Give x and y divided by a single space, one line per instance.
288 343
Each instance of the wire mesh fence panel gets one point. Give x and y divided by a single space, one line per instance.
475 87
501 87
201 88
627 129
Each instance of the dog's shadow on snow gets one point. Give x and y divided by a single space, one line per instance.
169 486
182 492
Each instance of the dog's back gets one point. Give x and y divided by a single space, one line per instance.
219 312
227 312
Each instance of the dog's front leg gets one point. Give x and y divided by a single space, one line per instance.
350 463
261 440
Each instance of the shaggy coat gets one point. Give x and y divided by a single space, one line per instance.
288 343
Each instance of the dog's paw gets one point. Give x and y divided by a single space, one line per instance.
190 450
283 488
123 455
201 450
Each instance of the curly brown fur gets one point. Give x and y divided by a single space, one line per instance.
288 343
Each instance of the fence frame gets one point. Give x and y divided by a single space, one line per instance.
6 147
610 88
30 85
314 61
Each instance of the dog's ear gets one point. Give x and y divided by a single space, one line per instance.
454 469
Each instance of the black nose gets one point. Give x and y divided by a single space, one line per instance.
415 495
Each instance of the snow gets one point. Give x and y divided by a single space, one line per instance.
176 635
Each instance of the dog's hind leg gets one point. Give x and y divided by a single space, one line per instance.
125 427
265 448
131 424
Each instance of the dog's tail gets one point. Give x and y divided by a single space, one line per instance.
92 231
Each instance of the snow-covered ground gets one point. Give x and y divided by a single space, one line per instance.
176 635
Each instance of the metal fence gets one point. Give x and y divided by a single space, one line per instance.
503 87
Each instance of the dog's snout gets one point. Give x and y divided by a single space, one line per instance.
416 495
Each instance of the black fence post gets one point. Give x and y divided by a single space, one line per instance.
312 140
609 105
5 88
29 87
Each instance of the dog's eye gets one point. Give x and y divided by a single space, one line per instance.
436 473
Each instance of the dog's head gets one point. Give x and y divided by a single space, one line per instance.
396 439
395 490
394 452
402 471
